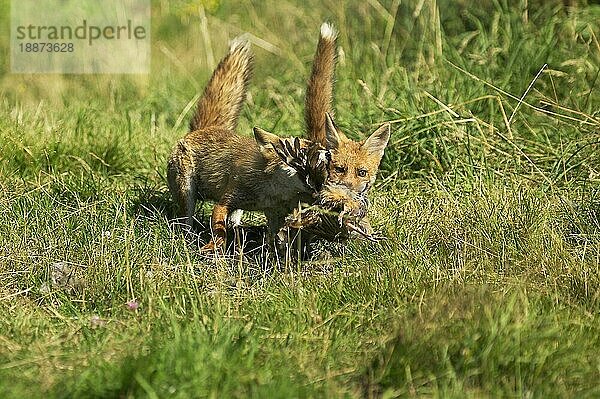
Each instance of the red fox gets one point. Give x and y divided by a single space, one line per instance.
238 173
352 166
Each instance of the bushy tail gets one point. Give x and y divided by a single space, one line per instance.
222 100
319 93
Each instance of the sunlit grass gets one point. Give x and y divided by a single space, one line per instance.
487 284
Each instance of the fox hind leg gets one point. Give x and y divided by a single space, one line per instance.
183 191
182 184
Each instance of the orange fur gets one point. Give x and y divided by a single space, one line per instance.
353 164
239 173
319 93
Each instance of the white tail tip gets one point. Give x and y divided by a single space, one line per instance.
240 42
328 32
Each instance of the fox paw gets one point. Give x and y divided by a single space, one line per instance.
215 245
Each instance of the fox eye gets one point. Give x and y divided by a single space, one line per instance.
339 169
361 172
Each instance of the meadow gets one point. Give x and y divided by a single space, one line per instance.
486 285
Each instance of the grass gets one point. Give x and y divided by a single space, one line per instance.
488 284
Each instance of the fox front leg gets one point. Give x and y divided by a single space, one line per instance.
218 229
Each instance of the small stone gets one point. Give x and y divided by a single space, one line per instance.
96 321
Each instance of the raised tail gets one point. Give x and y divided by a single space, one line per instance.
319 93
222 100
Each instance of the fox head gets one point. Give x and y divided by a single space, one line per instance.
354 164
265 140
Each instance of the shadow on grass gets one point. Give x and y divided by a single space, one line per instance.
151 202
248 242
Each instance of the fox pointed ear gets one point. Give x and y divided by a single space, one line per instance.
333 136
378 140
264 138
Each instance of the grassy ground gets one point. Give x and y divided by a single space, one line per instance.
488 282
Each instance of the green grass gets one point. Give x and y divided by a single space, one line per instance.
488 284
